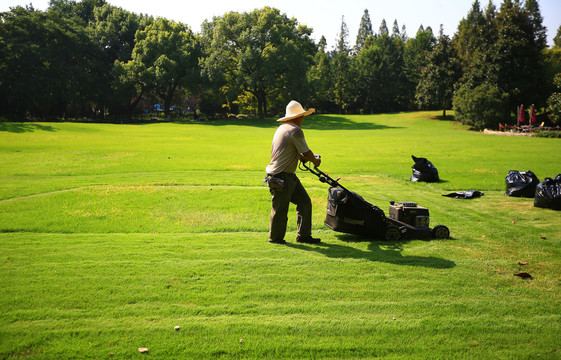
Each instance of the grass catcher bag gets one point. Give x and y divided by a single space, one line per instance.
521 183
424 170
548 193
349 213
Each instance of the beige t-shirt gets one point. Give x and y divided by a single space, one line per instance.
288 144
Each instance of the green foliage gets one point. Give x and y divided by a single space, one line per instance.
379 81
468 41
83 10
262 52
481 107
90 59
505 50
436 87
114 31
415 57
557 38
164 60
48 65
383 29
319 80
368 69
554 102
342 85
343 38
364 31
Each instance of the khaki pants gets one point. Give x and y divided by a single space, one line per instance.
292 192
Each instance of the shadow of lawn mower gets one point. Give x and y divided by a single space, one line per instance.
349 213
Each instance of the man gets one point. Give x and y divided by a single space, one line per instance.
289 146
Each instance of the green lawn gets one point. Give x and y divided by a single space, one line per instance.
112 235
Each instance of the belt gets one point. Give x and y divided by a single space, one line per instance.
283 174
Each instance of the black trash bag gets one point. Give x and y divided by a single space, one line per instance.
470 194
521 183
424 170
548 193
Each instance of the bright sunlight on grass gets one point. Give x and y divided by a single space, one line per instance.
112 235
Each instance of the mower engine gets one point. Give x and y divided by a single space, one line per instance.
409 213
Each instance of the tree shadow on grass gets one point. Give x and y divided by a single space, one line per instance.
314 122
24 127
378 251
444 118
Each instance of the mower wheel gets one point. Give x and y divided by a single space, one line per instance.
440 232
392 233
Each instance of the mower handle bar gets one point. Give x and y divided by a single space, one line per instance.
323 177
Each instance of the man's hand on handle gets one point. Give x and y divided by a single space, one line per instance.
310 156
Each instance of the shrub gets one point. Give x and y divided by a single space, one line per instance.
481 107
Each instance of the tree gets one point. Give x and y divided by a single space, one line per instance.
319 78
395 29
164 60
48 64
512 58
340 66
378 81
263 53
438 78
532 9
113 30
343 40
364 30
516 56
415 59
383 28
557 39
481 107
83 10
404 36
368 67
467 40
554 102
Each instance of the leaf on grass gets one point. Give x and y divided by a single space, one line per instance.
523 275
522 263
143 350
543 237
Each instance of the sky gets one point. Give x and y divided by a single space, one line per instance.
323 16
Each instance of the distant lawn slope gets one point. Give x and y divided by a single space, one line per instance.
112 235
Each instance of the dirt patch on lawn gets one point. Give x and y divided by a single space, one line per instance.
505 133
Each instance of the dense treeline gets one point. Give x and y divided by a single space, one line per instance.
90 59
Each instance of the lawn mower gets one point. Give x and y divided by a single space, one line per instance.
348 212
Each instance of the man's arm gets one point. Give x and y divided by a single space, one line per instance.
309 156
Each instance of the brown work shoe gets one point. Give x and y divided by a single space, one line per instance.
308 240
282 241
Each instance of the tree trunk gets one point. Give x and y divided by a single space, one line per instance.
167 101
261 103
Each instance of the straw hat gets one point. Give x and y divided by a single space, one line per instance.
295 110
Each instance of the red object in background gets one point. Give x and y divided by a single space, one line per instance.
521 116
532 114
